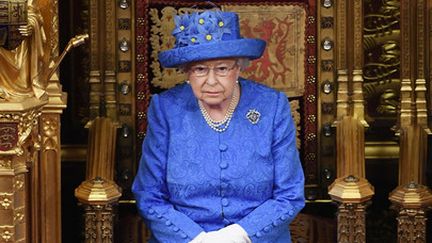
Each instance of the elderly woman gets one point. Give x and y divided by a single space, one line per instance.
219 162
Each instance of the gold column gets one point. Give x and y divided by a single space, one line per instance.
350 190
352 193
98 194
19 142
47 172
411 199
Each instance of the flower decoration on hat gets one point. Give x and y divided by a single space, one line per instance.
182 23
200 28
208 35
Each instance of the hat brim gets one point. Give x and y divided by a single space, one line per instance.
247 48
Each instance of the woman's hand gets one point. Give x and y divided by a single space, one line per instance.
231 234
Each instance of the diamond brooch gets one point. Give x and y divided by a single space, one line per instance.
253 116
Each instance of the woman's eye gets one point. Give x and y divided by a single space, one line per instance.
222 69
199 69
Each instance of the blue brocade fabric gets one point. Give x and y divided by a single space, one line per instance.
193 179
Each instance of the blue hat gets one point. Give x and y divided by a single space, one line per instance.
209 35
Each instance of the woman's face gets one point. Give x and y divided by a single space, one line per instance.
213 81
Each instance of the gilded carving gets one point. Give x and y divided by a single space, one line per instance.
26 122
351 223
55 28
341 37
50 127
99 216
382 47
6 200
18 183
6 234
358 34
420 27
110 34
327 22
90 225
5 164
411 225
19 215
94 27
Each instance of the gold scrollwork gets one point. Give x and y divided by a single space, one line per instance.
381 71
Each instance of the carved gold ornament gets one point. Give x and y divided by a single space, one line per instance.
25 122
5 200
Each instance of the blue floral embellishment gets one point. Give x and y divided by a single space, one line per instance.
200 27
209 34
253 116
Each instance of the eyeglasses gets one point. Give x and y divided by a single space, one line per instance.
220 70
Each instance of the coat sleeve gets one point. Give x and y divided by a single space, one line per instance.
150 189
266 222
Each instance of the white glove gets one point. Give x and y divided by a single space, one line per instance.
199 238
231 234
235 233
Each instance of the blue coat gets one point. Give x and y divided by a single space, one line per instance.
192 178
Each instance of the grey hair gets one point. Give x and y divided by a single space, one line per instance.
243 63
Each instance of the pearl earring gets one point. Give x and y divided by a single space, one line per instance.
187 81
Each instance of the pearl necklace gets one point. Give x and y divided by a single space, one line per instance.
222 125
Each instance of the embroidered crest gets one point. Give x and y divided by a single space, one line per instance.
253 116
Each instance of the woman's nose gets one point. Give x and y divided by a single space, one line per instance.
211 78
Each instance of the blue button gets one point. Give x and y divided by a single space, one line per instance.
225 202
276 223
258 234
223 147
283 217
168 223
183 235
291 213
176 229
223 165
224 185
151 211
267 229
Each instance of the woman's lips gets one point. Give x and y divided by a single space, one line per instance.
211 93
